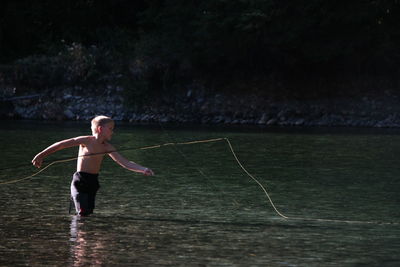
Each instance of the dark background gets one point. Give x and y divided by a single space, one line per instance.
310 47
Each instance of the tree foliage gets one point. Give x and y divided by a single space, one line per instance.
167 41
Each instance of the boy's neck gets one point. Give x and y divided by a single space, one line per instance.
99 138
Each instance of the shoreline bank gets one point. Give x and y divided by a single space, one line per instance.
72 105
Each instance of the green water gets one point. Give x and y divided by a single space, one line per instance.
339 188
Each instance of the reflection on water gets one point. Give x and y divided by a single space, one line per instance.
200 209
84 251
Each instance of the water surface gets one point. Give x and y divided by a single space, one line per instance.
339 188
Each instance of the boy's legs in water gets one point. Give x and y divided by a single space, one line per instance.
83 193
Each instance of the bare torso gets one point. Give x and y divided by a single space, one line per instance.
91 155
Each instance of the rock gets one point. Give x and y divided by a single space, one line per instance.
263 119
145 118
67 96
299 122
164 119
271 121
69 114
228 120
196 106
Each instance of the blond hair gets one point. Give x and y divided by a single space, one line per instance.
100 121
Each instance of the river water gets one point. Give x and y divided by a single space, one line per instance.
339 189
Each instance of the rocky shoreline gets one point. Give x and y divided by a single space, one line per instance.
71 104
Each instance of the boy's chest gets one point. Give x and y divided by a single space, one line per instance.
98 149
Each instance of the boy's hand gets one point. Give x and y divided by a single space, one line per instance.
37 161
148 172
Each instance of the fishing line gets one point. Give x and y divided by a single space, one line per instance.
36 173
254 179
60 160
154 147
202 142
189 163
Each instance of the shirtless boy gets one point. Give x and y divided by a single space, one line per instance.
92 149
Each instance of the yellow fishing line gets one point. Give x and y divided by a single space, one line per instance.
252 177
36 173
163 145
237 161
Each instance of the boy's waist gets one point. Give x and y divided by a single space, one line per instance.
86 175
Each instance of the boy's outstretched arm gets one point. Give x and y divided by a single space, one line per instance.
38 159
130 165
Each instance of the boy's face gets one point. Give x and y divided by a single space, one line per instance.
106 130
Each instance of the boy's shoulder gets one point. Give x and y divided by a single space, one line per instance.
109 146
85 138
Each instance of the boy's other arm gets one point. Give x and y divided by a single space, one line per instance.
76 141
130 165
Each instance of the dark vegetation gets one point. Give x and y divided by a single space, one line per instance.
309 48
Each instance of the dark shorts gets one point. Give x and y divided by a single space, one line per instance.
84 187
